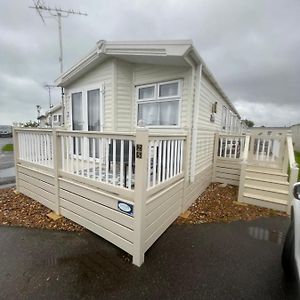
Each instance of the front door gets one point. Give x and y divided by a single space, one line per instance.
87 115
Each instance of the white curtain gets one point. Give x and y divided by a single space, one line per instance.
169 113
159 113
77 111
168 89
146 93
93 101
148 113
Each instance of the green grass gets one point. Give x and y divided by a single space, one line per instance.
8 147
297 158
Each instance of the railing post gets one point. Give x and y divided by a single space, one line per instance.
141 173
242 181
243 168
186 165
285 159
56 167
16 156
186 156
293 179
216 146
251 149
294 170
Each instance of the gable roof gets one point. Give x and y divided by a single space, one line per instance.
51 110
168 52
54 109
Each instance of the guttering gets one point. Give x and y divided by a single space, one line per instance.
211 77
81 64
196 87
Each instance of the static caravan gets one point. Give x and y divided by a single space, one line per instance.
51 118
146 129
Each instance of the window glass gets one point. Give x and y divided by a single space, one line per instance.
169 113
168 89
159 109
77 111
93 102
224 117
148 113
146 92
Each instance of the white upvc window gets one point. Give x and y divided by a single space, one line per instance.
158 104
57 118
229 128
224 118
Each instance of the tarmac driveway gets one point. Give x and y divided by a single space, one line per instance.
6 158
240 260
7 169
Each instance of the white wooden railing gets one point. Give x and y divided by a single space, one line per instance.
107 158
294 168
165 158
267 147
36 146
103 157
230 146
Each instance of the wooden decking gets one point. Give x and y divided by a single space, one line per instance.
258 164
127 188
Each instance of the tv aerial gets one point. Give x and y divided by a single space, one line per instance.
58 14
45 11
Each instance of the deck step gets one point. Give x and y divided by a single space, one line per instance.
263 182
266 175
267 191
265 201
265 169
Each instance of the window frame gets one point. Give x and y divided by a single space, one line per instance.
224 118
158 99
84 92
147 86
168 82
84 112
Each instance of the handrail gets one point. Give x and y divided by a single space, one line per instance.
115 134
231 135
75 132
291 153
179 135
268 132
94 133
33 129
246 148
294 170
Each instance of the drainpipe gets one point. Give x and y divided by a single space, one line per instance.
196 87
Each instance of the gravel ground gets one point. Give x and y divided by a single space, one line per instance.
20 210
218 204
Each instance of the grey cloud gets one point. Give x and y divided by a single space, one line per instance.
276 117
251 47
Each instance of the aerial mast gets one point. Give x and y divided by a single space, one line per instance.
58 14
49 87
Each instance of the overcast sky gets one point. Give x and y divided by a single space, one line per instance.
252 48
